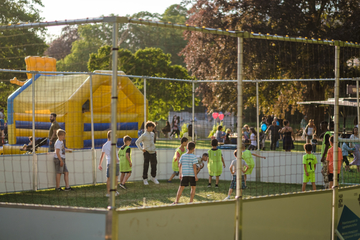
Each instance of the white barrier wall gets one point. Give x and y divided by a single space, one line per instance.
16 171
292 216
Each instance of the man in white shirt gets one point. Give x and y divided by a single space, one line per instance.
149 150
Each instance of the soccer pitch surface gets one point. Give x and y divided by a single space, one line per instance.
155 195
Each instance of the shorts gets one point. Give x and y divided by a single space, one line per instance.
309 137
331 177
233 182
186 180
58 169
117 170
346 161
176 173
310 178
125 172
250 169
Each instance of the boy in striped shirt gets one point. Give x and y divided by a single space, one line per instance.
188 172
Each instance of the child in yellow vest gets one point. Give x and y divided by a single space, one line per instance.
214 164
125 161
178 153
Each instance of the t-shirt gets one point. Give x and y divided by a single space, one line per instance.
187 161
309 160
59 145
330 159
147 138
253 139
2 116
54 126
107 150
233 163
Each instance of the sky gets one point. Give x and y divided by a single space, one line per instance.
78 9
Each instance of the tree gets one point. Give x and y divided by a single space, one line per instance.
61 46
131 36
16 44
214 57
163 96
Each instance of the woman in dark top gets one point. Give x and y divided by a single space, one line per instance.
166 129
288 134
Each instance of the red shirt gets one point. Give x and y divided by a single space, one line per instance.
330 159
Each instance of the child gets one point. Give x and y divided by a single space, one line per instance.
149 149
59 160
227 136
246 155
219 135
125 161
200 164
356 154
106 150
233 172
188 173
345 152
330 159
253 142
214 163
178 153
29 145
309 161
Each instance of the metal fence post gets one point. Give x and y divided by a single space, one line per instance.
258 133
93 151
34 156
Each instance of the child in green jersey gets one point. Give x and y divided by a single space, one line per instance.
214 163
309 161
175 163
246 155
125 161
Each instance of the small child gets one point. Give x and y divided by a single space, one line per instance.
227 136
246 155
188 172
309 161
330 159
59 160
200 165
25 146
233 172
125 161
214 163
178 153
345 153
106 150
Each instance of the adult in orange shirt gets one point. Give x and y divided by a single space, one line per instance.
330 159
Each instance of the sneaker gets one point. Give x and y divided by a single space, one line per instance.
145 182
123 186
69 189
216 186
169 181
209 185
59 189
154 180
107 195
227 198
117 193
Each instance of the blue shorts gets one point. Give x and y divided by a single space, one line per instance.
233 182
117 170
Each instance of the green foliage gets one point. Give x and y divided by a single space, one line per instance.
184 129
15 45
163 96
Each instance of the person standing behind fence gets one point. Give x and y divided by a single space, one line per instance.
310 131
106 151
288 134
52 131
214 164
253 142
188 172
2 126
125 161
219 135
354 136
59 160
175 126
324 150
149 152
309 161
178 153
330 160
356 160
345 152
275 136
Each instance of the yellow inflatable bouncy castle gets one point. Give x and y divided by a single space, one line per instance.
69 97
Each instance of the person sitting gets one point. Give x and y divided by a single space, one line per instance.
28 147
